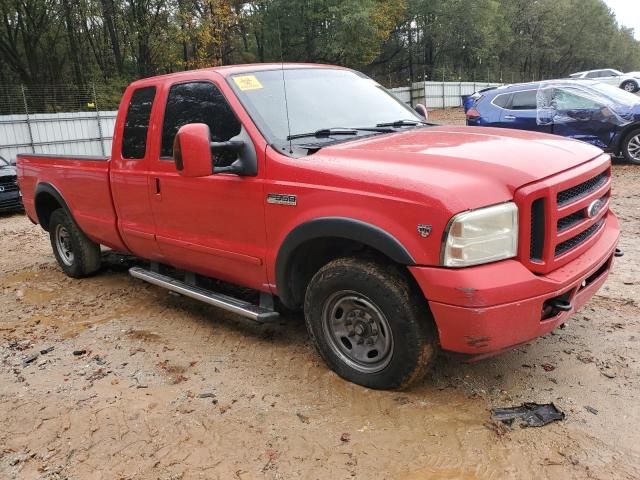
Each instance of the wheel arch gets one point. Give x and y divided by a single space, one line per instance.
624 134
312 244
47 199
631 80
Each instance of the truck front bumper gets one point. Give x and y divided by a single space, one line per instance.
481 311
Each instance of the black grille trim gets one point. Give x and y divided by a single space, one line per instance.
574 193
578 239
11 203
536 245
10 187
8 180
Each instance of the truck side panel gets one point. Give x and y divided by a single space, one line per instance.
83 183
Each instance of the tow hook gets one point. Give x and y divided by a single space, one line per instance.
560 304
618 253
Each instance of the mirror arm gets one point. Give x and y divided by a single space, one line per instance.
231 145
229 169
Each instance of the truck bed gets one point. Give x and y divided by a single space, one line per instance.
83 183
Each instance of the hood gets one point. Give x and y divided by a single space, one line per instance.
7 170
466 166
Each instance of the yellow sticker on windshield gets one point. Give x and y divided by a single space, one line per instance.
247 82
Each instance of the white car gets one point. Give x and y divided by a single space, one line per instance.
627 81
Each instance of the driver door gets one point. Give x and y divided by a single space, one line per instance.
210 225
583 118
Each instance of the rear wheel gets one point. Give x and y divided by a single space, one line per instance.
631 147
368 323
630 86
77 255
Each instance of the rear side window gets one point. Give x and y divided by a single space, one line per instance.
502 100
596 74
524 100
136 125
197 102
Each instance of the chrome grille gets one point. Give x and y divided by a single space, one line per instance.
578 239
575 193
571 220
559 226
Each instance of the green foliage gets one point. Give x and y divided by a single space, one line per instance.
111 42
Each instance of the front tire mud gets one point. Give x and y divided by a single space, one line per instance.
369 324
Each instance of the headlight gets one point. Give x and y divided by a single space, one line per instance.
481 236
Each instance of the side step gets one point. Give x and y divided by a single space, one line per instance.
248 310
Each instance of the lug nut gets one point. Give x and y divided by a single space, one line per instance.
370 341
360 341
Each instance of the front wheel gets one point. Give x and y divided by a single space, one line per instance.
630 86
631 147
76 254
369 324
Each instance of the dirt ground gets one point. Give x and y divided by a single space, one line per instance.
447 116
141 384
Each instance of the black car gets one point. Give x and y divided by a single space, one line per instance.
10 198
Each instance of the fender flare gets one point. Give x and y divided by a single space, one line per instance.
55 193
340 227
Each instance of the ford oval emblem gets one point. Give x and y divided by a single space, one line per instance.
594 208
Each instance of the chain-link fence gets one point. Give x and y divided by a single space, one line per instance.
24 99
59 119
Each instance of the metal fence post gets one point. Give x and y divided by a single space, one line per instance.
26 111
444 103
95 103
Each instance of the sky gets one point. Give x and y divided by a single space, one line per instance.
627 12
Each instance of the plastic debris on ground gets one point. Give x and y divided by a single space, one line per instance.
528 415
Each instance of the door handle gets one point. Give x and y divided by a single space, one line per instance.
157 186
509 117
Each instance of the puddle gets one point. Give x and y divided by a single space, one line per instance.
37 296
144 335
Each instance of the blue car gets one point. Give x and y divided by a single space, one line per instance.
600 114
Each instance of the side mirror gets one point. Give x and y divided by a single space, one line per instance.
422 111
192 151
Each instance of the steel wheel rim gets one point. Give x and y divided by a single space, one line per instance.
633 147
63 245
357 331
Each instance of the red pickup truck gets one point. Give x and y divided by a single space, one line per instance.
315 186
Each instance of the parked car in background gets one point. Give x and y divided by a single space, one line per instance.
596 113
627 81
10 198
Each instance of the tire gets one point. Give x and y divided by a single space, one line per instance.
78 256
631 147
630 86
379 307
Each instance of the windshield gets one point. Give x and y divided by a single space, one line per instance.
318 98
616 94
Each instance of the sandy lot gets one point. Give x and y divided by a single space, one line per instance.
161 387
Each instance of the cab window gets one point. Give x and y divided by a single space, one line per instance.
136 125
197 102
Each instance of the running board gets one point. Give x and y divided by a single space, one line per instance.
240 307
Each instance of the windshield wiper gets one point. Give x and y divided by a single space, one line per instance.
328 132
324 133
402 123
